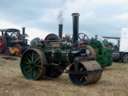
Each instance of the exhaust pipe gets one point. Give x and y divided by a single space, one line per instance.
23 31
75 17
60 30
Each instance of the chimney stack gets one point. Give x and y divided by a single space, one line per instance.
23 31
60 19
75 17
60 30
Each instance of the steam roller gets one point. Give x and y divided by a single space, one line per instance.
49 58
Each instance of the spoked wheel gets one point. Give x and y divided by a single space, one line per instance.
87 73
83 37
53 72
32 64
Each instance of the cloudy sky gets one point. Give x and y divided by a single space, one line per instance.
40 17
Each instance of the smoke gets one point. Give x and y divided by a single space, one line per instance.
69 6
60 17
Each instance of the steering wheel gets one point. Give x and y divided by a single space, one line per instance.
83 37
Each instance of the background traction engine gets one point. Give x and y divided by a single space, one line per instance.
12 41
49 58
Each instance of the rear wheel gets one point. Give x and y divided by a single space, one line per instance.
32 64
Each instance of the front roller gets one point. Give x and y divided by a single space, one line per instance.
87 72
32 64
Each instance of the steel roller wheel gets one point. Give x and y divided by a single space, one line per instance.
89 72
32 64
83 37
53 72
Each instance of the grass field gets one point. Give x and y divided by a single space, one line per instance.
114 82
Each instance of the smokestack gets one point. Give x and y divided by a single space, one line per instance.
60 19
60 30
23 31
75 27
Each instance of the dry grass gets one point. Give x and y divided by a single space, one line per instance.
114 82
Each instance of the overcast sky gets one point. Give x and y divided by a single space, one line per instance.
102 17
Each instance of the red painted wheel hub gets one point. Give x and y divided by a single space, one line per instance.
2 44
